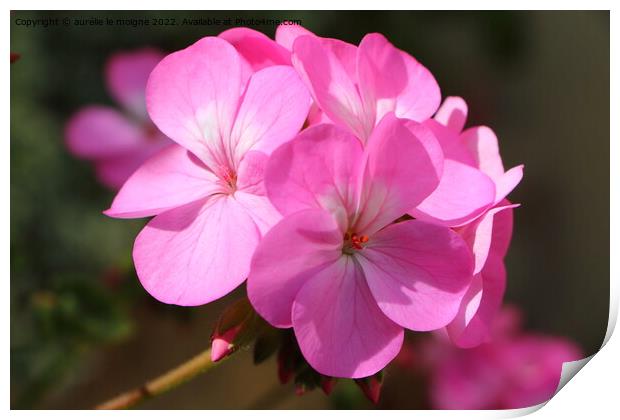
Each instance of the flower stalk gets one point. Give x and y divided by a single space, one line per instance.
201 363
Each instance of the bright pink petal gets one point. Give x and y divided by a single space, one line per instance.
197 253
482 143
251 173
418 273
421 97
392 80
451 144
479 234
339 327
382 73
502 229
290 254
345 53
114 171
256 48
478 147
274 108
507 182
261 210
472 325
331 85
452 113
463 194
171 178
126 76
316 116
318 169
399 174
97 132
192 96
287 34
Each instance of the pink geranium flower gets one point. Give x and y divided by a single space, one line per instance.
473 189
118 141
515 370
474 179
489 238
207 192
335 268
356 86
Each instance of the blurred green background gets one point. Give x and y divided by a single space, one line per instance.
82 329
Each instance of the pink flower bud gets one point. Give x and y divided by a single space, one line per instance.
223 345
238 325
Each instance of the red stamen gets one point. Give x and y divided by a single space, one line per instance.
354 241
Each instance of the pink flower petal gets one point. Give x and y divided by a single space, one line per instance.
192 96
399 174
197 253
482 143
97 132
507 182
392 80
421 97
251 173
533 366
263 213
452 113
114 171
339 327
318 169
418 273
480 232
502 229
345 52
472 325
382 74
287 34
274 108
316 116
126 75
290 254
451 144
171 178
463 194
256 48
331 85
477 147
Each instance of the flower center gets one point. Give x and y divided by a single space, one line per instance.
228 178
353 242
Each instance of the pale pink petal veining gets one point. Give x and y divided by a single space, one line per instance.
339 327
418 273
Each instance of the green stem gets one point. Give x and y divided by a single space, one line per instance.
171 379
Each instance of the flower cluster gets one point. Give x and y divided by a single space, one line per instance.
328 176
516 369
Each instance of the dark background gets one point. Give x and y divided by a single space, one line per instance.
83 330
